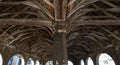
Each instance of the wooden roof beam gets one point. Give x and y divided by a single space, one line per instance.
60 10
95 22
71 2
116 9
43 9
111 33
108 14
49 3
28 3
35 5
108 3
25 22
86 10
78 6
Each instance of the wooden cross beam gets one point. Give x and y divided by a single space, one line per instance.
95 22
26 22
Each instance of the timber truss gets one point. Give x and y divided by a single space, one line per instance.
29 25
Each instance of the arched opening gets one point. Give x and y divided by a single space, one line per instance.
30 61
90 61
1 60
51 63
82 62
16 60
37 62
70 63
105 59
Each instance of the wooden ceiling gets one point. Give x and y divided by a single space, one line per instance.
28 25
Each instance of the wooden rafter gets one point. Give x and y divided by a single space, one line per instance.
78 6
28 3
19 12
35 5
49 3
108 14
78 14
112 34
110 4
43 9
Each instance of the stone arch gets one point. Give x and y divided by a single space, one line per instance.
105 59
37 62
90 61
1 59
30 61
16 60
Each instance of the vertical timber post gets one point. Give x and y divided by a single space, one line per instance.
60 45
